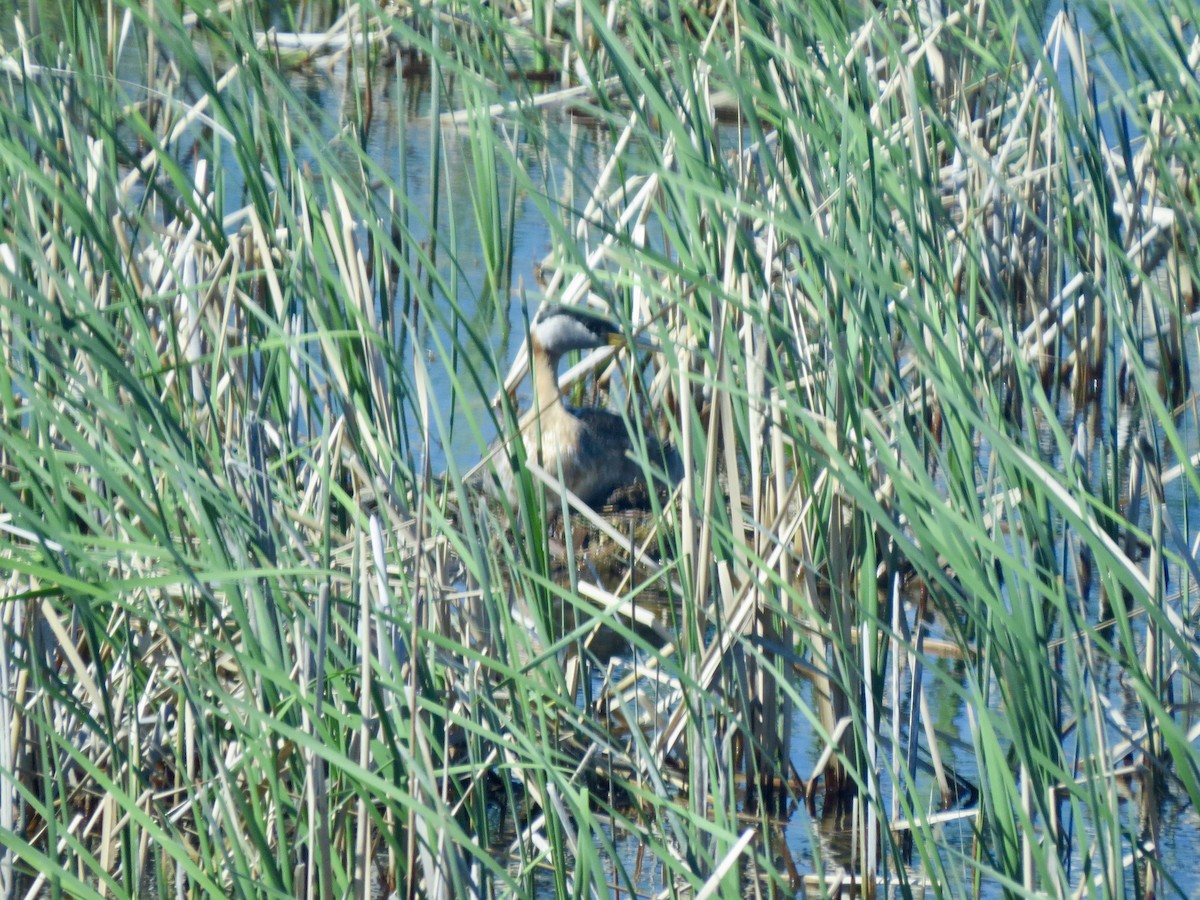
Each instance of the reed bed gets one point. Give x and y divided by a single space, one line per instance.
919 282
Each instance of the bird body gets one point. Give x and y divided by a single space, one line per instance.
589 446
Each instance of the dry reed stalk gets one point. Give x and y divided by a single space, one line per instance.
602 198
194 114
613 605
740 612
346 32
713 886
563 96
577 289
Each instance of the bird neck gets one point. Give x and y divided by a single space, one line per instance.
545 379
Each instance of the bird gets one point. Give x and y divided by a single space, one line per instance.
590 446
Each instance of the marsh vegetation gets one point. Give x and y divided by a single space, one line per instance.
907 287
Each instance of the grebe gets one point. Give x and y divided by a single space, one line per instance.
590 446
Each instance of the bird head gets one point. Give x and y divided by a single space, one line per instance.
558 329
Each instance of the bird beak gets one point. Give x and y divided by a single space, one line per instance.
645 344
638 342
